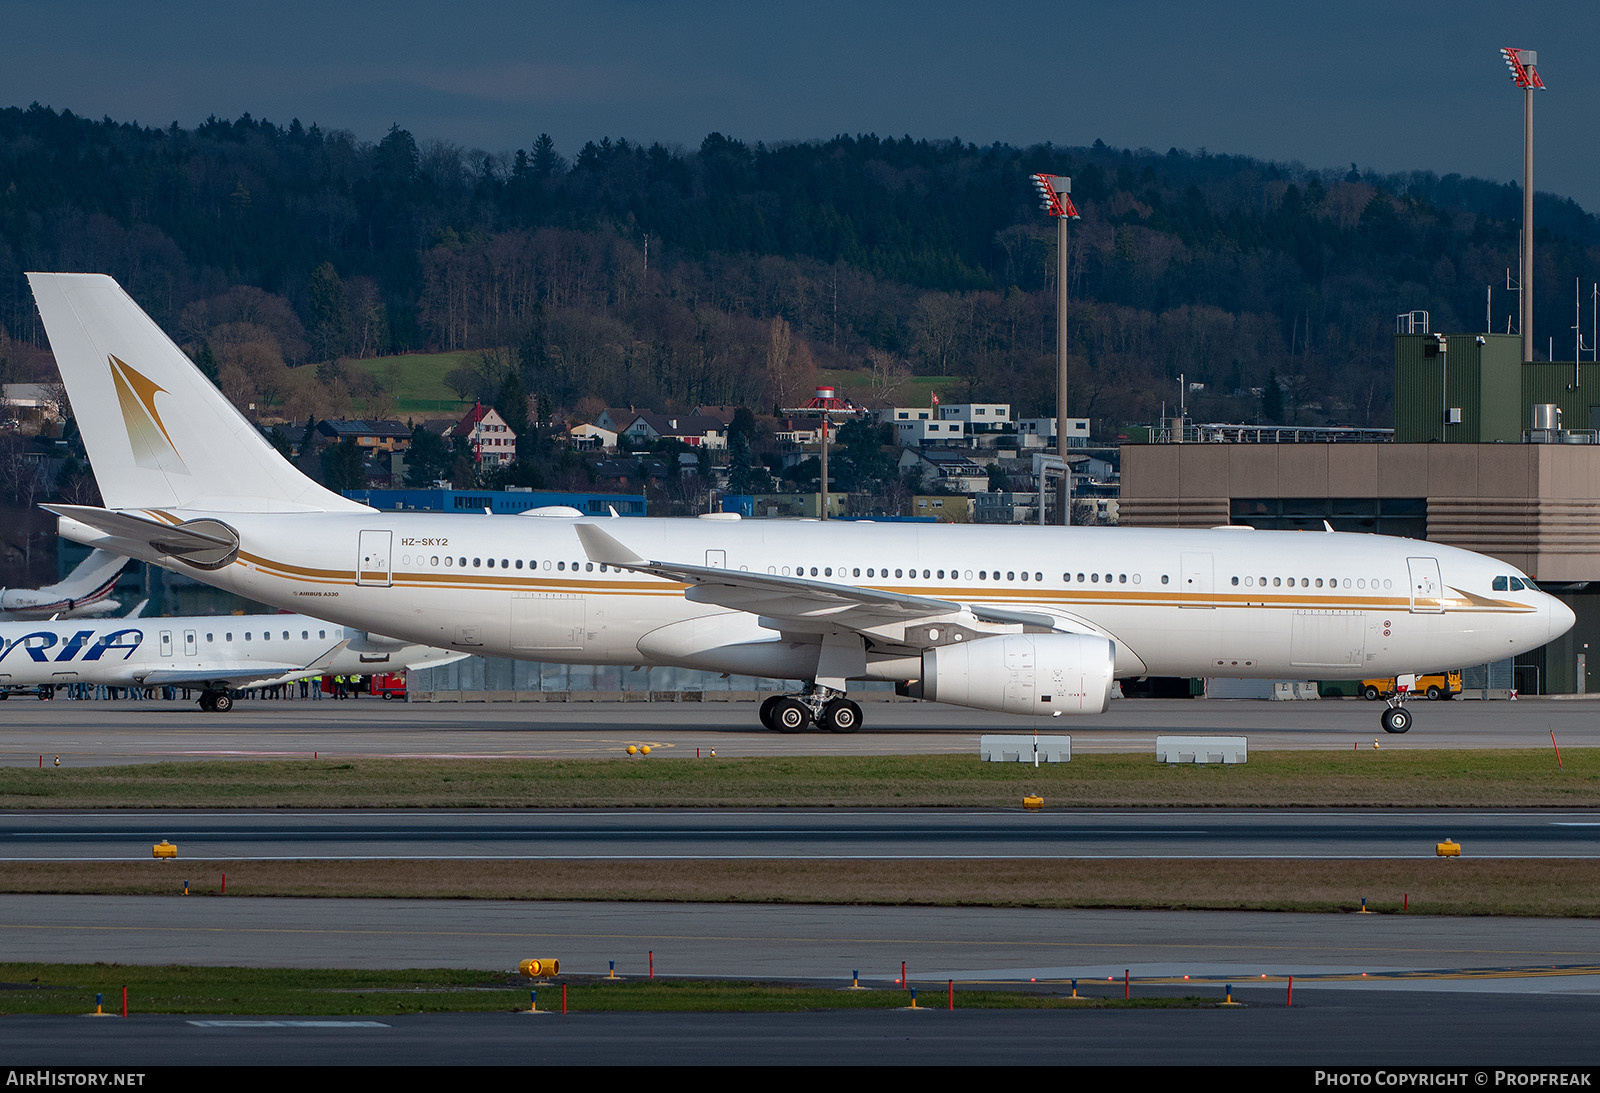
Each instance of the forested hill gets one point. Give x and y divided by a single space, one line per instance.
654 275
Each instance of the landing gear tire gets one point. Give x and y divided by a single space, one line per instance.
790 716
1396 719
841 715
766 713
223 702
206 700
1371 694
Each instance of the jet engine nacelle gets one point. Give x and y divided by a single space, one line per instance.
1023 673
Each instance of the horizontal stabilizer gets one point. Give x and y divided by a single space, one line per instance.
207 544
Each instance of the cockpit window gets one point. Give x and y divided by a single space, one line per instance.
1502 584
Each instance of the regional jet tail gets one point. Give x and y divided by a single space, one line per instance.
214 654
1026 620
85 591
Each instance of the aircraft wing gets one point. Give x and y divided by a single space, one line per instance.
235 678
802 605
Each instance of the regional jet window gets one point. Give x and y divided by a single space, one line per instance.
477 562
855 571
1136 578
1080 578
463 561
519 563
504 564
491 563
1122 578
434 560
561 566
1024 574
1095 577
305 635
229 635
247 635
286 635
1236 580
1165 578
208 639
447 561
322 633
588 566
897 573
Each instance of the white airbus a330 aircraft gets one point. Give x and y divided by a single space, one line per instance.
215 654
1012 619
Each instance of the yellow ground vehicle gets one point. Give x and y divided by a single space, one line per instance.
1437 686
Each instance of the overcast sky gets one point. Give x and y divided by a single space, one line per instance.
1392 85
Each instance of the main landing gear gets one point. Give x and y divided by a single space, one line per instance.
1396 718
830 709
216 701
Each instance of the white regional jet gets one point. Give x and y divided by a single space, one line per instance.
84 591
215 654
1012 619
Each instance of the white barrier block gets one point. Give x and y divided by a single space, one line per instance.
1201 749
1018 748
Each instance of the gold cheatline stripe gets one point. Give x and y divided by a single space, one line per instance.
1001 598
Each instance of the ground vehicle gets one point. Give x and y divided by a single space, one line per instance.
1437 686
391 685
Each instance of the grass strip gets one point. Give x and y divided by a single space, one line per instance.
1391 776
1561 888
317 992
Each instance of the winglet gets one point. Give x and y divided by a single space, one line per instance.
602 548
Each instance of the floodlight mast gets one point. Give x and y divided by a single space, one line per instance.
1523 64
1055 199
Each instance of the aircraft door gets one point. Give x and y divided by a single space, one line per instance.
1196 577
1427 588
373 568
190 645
166 644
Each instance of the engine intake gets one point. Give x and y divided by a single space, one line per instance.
1023 673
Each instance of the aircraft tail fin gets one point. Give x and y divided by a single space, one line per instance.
159 434
90 581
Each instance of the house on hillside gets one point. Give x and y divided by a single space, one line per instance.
487 434
693 430
369 436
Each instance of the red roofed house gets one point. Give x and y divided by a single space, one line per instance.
486 431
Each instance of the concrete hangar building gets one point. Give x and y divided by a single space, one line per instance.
1489 452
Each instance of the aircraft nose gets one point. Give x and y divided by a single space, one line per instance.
1560 616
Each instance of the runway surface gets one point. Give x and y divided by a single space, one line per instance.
730 834
141 732
970 945
1367 989
1371 1029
